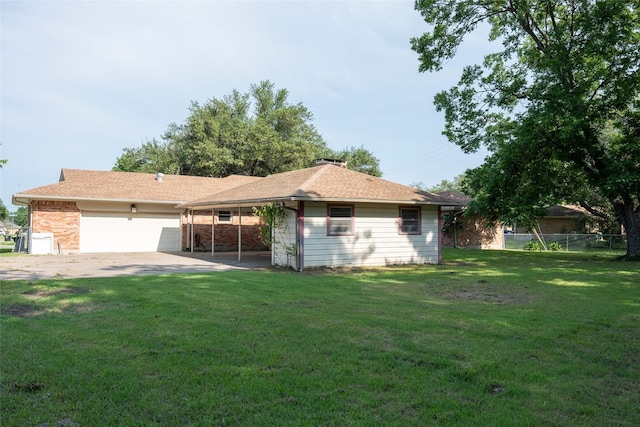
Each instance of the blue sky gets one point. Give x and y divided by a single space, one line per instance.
82 80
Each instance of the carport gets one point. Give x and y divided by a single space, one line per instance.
239 211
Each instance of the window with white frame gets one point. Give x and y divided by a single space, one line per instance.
409 220
340 220
224 216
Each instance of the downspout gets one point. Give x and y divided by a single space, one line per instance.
29 230
213 232
300 228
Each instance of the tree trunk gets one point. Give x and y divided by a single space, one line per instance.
633 241
630 219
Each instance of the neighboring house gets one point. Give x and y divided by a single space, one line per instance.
473 232
338 217
11 228
562 219
99 211
468 232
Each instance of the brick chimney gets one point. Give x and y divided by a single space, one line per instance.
335 162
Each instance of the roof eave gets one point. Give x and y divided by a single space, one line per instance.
26 199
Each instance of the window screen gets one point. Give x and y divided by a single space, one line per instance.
410 221
340 220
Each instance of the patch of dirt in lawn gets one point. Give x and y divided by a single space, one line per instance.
460 263
19 310
67 422
29 387
44 294
28 310
487 294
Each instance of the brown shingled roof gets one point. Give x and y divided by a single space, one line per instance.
77 184
460 198
566 211
327 183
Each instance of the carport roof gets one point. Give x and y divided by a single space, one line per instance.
78 184
320 183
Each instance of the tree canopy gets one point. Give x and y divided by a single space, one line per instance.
21 216
4 212
456 184
256 133
558 106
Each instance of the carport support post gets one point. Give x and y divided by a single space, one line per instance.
213 235
192 221
239 232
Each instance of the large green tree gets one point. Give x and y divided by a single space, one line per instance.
557 105
4 212
456 184
21 216
359 159
256 133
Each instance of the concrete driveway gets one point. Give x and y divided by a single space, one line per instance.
43 267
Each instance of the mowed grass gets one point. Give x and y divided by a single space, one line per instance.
487 338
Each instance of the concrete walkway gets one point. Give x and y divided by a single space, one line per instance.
43 267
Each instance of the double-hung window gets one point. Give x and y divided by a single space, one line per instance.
340 220
409 220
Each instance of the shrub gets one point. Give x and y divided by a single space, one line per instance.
555 246
532 246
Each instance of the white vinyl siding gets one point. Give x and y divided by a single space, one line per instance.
129 232
376 240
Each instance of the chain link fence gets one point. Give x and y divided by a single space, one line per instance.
567 242
22 239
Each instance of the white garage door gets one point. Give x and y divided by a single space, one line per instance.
129 232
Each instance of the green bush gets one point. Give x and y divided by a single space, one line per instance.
532 246
555 246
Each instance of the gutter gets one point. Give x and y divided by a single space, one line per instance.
26 199
253 202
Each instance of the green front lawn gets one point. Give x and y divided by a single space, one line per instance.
6 247
488 338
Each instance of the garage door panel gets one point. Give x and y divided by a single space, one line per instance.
129 232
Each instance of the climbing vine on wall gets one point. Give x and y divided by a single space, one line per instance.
274 218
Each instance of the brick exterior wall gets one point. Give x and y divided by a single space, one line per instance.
60 218
226 233
474 234
558 226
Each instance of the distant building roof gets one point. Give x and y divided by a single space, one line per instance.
461 199
566 211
